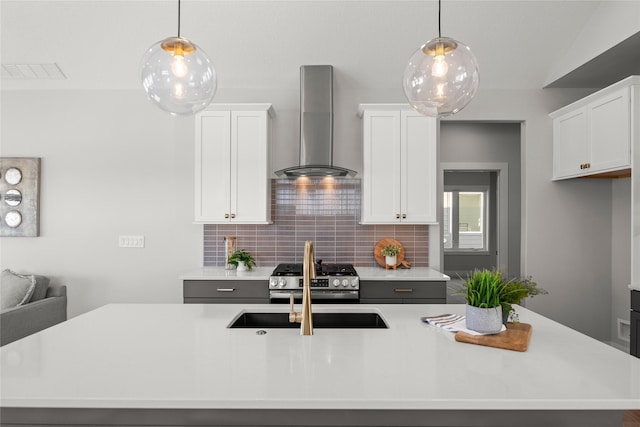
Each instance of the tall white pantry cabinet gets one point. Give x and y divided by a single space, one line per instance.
232 164
399 165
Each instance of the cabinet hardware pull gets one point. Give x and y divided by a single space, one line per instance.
226 289
404 216
398 216
233 215
226 215
587 165
403 290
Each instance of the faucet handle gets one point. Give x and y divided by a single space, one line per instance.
294 317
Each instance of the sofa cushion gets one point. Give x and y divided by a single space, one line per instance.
40 291
15 289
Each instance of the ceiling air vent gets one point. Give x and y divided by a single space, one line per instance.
32 72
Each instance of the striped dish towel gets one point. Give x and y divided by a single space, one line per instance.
452 323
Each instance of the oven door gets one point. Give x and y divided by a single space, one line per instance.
282 296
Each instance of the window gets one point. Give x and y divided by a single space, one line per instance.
465 220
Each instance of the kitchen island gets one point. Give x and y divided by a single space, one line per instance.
174 364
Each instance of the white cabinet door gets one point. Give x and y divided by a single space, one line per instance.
570 144
381 176
609 131
418 167
250 191
399 167
232 167
213 167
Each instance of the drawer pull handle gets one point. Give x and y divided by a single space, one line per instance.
225 289
409 290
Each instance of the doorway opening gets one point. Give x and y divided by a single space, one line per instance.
475 217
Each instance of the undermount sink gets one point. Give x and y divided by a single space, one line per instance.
364 320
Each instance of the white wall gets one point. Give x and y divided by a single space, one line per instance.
620 257
111 164
611 23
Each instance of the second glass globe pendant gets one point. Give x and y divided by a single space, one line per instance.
178 76
441 77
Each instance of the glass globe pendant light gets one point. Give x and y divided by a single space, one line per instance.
441 77
178 76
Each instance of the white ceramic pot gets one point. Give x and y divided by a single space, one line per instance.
484 320
391 260
242 266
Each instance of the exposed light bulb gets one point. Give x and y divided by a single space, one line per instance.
179 66
440 67
178 90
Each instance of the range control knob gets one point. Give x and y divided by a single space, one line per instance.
354 284
282 283
345 283
273 282
336 283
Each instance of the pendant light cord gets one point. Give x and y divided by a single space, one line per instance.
178 18
439 9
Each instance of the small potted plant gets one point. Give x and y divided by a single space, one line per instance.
242 260
515 291
390 253
483 291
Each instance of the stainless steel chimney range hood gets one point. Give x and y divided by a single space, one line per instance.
316 125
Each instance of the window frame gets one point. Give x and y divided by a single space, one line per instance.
485 190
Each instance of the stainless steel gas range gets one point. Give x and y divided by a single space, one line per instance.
333 284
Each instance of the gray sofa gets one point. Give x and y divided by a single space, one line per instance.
44 308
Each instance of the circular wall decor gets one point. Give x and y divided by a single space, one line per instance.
13 219
13 176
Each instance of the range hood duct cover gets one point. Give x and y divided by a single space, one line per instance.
316 125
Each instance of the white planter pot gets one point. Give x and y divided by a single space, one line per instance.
391 260
242 266
484 320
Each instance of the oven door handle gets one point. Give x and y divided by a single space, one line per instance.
285 294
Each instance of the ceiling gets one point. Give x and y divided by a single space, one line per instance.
261 44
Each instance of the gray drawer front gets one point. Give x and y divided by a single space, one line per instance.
371 289
635 300
226 301
226 289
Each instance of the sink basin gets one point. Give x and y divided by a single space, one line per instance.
362 320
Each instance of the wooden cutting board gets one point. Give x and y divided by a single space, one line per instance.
377 251
516 337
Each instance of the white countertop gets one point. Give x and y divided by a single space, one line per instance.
365 273
219 273
408 274
634 286
184 356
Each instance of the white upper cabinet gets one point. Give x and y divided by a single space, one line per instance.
593 135
232 164
399 165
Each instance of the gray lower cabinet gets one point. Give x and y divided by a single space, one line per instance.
402 292
225 291
635 323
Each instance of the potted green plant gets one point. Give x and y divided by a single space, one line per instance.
390 253
242 260
483 290
514 291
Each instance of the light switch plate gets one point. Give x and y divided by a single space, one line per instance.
131 241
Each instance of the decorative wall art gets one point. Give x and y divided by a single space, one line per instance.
19 196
